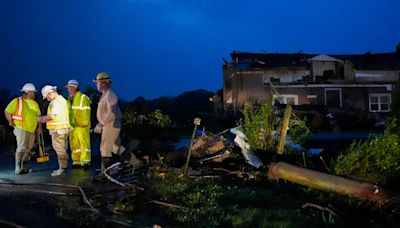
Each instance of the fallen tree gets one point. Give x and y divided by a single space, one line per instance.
331 183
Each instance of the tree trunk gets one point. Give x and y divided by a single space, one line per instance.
328 182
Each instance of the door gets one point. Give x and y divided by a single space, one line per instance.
333 98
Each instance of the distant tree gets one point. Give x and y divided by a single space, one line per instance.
5 98
398 48
182 108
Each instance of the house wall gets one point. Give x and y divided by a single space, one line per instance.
241 86
250 87
287 75
376 75
318 67
353 98
348 70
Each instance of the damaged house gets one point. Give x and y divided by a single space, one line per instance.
363 82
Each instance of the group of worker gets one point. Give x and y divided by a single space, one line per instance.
66 120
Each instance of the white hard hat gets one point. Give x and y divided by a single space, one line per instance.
47 89
73 83
28 87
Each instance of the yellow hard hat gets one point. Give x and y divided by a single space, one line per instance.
102 76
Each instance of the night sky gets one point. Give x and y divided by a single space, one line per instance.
154 48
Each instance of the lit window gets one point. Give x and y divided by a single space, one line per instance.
379 102
287 99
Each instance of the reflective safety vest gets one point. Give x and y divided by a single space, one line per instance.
61 119
24 113
17 116
80 110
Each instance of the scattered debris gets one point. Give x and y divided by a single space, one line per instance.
248 154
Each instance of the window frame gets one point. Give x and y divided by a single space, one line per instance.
379 103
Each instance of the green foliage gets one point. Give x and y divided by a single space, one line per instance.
199 199
154 120
376 160
210 204
158 119
298 131
258 124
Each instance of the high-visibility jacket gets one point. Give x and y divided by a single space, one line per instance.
80 133
24 113
58 107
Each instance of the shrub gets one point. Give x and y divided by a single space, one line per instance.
258 124
376 160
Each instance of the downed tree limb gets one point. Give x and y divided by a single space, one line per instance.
166 204
328 182
330 211
10 224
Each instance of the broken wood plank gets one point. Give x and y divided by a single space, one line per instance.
283 131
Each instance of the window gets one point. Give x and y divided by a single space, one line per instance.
288 99
312 99
379 102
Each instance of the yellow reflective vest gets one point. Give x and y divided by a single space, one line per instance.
80 110
24 113
59 107
80 134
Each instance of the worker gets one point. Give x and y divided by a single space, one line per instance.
79 118
57 121
22 113
109 117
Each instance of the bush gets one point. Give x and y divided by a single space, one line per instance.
258 124
298 131
376 160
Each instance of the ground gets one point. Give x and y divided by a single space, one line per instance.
34 205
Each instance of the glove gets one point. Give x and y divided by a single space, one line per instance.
98 129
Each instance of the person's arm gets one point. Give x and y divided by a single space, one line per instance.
8 112
53 112
9 118
112 106
44 119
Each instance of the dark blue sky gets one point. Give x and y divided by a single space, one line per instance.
154 48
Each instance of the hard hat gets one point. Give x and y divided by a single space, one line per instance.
28 87
102 76
74 83
47 89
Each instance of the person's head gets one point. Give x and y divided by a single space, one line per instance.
103 81
49 92
29 91
72 87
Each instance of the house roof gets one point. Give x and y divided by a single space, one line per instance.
379 61
324 58
270 60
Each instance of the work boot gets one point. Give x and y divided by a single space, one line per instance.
18 163
105 163
58 172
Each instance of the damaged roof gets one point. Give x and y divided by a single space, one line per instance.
379 61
